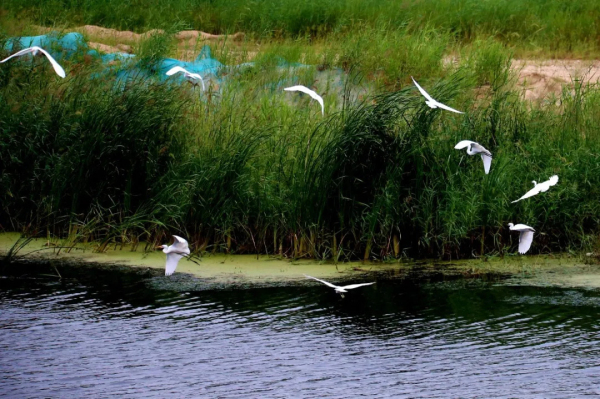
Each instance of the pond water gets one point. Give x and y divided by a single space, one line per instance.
108 333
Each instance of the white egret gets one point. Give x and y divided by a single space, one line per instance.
525 238
539 188
175 252
431 102
34 51
310 92
340 289
474 148
191 77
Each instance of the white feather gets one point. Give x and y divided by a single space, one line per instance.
447 108
175 252
525 236
540 188
432 102
34 50
310 92
463 144
487 163
474 148
520 227
189 75
175 70
181 244
352 286
525 240
338 288
172 262
422 90
322 281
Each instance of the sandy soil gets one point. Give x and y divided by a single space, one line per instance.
112 37
537 79
105 48
226 271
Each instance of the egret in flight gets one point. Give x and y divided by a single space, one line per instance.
525 238
175 252
539 188
431 102
474 148
310 92
340 289
191 77
34 51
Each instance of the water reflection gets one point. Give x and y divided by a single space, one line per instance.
108 333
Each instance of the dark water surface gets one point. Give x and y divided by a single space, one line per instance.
109 334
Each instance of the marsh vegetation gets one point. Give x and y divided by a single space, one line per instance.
247 169
533 25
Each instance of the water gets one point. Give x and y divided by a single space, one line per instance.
106 333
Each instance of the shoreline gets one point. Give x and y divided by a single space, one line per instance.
222 271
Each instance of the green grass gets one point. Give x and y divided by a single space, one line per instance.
555 26
251 169
255 169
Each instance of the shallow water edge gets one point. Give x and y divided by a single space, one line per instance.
220 271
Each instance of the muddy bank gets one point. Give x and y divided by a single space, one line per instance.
241 271
540 78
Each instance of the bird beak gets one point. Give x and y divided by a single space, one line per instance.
159 248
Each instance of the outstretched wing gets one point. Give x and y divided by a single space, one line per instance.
481 149
181 245
522 227
172 261
197 76
530 193
525 240
447 108
310 92
322 281
487 162
175 70
423 92
349 287
463 144
20 53
57 68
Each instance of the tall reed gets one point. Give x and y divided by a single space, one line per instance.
253 169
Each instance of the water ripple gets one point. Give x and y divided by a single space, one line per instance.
106 339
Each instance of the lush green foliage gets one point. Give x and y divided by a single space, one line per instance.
564 25
254 169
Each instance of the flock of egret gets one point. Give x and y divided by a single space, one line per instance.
180 248
473 148
526 232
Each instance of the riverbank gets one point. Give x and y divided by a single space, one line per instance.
244 271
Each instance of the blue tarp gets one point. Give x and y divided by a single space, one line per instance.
127 66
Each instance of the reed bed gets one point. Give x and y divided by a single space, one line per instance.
251 169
